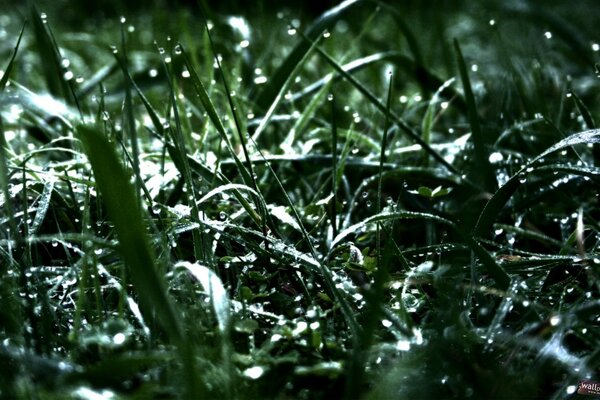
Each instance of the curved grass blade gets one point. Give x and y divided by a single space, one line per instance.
496 272
501 197
267 96
114 185
216 292
589 122
482 169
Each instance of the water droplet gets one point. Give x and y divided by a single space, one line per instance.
185 74
496 157
492 22
119 338
571 389
67 76
254 372
555 320
326 34
260 80
548 35
244 44
291 31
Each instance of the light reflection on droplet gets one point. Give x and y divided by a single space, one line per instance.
254 372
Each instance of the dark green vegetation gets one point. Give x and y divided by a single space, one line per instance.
383 202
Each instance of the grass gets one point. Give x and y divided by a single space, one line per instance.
383 201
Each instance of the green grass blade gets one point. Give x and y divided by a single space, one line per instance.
282 91
482 169
114 185
180 147
496 272
381 107
213 114
11 62
584 111
50 55
495 205
267 96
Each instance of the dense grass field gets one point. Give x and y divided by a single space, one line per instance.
387 200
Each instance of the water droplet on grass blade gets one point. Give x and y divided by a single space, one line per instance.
254 372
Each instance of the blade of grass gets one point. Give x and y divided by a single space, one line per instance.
128 118
50 55
374 296
495 271
242 137
589 122
124 210
4 175
482 169
283 90
214 117
334 168
269 93
495 205
197 235
381 107
113 184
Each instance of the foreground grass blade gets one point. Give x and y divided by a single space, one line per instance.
482 169
114 186
495 205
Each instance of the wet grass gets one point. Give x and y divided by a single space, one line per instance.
384 201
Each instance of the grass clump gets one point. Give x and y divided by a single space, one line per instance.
381 200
